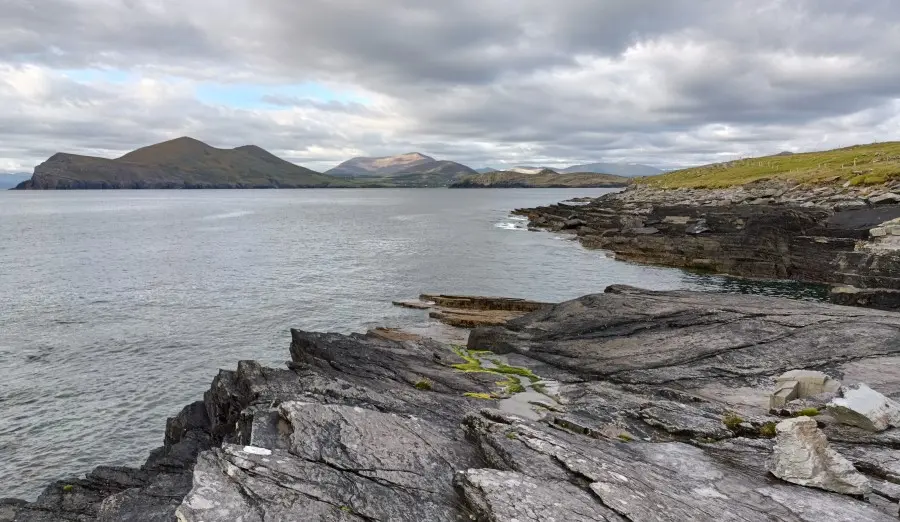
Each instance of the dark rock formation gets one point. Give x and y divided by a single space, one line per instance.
785 235
655 407
470 311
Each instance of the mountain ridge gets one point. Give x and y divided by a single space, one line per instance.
546 178
378 166
179 163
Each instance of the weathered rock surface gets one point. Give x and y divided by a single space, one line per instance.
828 234
464 311
802 456
865 408
657 414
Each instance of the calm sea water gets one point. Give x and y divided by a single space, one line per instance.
117 308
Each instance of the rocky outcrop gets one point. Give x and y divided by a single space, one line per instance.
802 456
801 233
472 311
639 406
865 408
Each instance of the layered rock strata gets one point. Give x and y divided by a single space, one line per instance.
832 235
654 407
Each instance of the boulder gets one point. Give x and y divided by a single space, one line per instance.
699 227
801 384
888 198
865 408
802 456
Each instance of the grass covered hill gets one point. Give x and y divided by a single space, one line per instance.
543 179
179 163
860 165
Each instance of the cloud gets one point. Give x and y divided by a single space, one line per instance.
484 82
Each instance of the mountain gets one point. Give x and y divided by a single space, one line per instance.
485 170
629 170
378 167
11 180
179 163
406 170
529 170
545 178
431 174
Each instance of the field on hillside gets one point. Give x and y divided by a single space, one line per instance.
860 165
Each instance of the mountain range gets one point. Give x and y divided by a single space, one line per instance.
406 170
13 179
179 163
545 178
629 170
190 163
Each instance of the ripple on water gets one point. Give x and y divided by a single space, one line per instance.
160 289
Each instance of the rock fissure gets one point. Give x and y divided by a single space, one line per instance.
329 442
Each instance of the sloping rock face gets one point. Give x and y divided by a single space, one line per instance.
792 233
655 404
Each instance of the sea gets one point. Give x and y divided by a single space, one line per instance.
117 308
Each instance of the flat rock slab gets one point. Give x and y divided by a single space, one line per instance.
472 311
388 426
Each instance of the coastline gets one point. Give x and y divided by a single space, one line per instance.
576 410
836 235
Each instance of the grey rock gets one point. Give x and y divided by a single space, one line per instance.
804 234
865 408
634 427
802 456
888 198
699 227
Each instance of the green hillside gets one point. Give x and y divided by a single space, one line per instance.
543 179
860 165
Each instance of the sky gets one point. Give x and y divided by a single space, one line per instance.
484 82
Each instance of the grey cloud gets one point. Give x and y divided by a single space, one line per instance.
478 81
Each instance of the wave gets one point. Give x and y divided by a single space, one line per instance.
228 215
512 226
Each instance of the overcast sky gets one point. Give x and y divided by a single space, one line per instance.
484 82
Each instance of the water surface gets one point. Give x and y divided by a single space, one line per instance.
118 307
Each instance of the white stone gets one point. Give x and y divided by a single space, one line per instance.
800 384
253 450
802 456
810 382
865 408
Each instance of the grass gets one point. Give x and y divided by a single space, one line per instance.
505 369
511 435
767 430
479 395
472 363
68 488
732 421
512 386
860 165
624 437
807 412
423 384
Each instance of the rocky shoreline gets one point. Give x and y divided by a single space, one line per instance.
630 405
840 235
